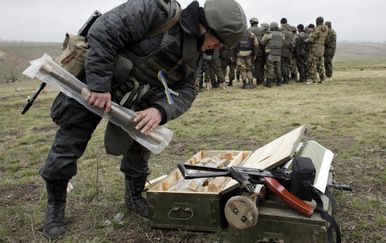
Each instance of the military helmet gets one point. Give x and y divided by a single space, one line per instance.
227 19
273 25
253 21
265 26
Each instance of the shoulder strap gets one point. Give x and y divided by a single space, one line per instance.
333 225
166 26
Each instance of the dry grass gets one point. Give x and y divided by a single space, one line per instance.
347 115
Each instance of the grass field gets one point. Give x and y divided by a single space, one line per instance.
346 115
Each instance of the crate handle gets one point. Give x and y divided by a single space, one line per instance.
177 210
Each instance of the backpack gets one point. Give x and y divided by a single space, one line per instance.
75 47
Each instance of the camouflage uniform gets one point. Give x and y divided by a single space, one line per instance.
329 52
316 41
273 42
199 75
286 55
246 52
259 59
228 58
301 55
293 64
213 69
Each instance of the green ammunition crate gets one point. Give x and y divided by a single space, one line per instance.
279 223
190 211
204 211
196 211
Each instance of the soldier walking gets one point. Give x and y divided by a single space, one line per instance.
329 52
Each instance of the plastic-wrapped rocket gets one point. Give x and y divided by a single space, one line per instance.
46 70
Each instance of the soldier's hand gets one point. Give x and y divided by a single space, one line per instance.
100 100
147 120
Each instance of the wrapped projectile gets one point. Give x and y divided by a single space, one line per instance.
46 70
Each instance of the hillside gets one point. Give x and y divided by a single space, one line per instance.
346 51
15 56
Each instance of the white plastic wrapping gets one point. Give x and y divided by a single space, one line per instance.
46 70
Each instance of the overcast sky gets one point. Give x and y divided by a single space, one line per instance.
48 20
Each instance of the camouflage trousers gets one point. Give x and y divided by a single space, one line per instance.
213 69
273 70
294 69
259 69
244 65
285 68
315 66
328 65
225 63
301 62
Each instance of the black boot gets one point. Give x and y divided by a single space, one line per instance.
56 203
268 83
244 84
250 84
133 195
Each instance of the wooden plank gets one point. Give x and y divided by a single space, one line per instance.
154 182
274 153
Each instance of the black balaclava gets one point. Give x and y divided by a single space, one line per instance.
191 17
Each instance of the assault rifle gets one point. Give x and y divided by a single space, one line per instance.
250 177
82 32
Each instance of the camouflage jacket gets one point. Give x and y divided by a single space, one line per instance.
122 30
259 32
288 39
317 39
330 44
301 47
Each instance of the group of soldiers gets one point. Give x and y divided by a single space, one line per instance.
271 55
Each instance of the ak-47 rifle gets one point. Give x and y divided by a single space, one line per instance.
248 178
82 32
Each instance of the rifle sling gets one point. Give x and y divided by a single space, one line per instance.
166 26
